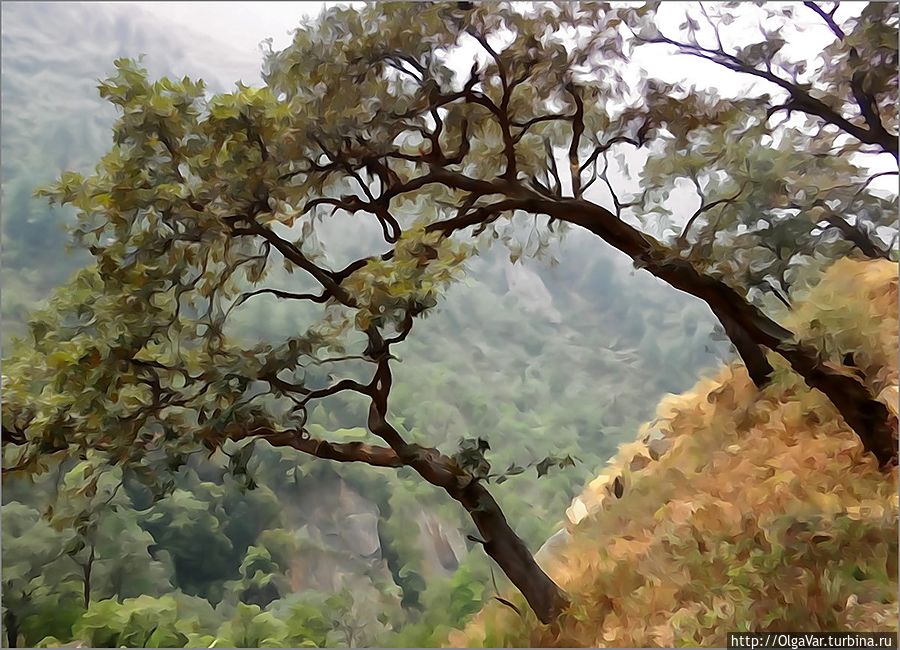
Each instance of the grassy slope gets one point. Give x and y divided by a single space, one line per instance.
763 514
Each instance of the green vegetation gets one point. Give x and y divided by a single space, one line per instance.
292 398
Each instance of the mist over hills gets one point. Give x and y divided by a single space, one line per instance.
54 120
539 358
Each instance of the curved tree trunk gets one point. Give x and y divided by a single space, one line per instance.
511 554
747 326
754 356
546 599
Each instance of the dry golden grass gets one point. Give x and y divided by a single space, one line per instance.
740 509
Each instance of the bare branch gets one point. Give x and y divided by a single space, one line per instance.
287 295
828 18
356 265
501 112
600 149
551 159
527 124
706 207
481 215
344 385
874 177
13 436
712 24
292 253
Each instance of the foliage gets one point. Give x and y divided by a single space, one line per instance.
54 120
142 622
207 205
35 573
263 573
770 210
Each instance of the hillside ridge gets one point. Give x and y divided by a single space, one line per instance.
737 509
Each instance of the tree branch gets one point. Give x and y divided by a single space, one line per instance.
706 207
577 131
501 543
345 452
828 18
502 111
292 253
867 416
800 99
855 235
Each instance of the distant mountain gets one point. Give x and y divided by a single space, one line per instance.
54 120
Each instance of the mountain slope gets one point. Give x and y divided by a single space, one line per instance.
738 510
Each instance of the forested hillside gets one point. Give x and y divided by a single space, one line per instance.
280 394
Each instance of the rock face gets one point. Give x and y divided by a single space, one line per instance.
526 285
341 548
634 456
443 546
548 553
361 534
338 529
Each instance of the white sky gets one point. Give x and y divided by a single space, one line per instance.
244 25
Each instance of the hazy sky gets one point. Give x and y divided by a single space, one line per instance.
240 24
244 25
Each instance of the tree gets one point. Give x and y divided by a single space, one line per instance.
106 545
773 190
201 199
145 622
72 537
207 529
263 572
33 564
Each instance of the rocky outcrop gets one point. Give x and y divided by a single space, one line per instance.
443 546
526 285
338 531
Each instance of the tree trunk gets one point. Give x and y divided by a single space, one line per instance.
758 366
86 569
869 418
511 554
500 542
12 629
743 322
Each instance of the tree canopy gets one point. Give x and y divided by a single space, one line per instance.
444 127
